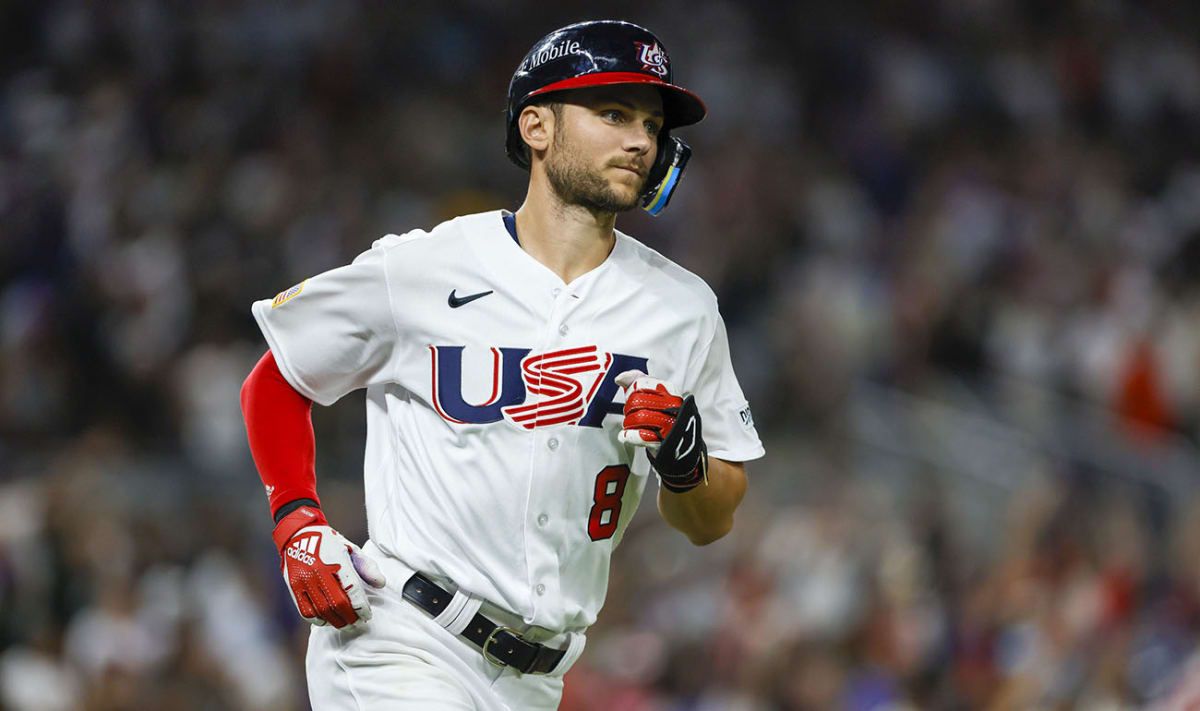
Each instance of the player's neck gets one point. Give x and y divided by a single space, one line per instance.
569 240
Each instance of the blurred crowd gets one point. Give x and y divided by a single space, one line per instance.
991 205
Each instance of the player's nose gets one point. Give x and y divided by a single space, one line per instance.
639 140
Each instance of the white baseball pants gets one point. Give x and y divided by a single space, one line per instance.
404 659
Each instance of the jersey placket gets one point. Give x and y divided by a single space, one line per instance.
546 482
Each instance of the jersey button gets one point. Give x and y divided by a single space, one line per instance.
563 330
540 589
543 519
556 291
552 444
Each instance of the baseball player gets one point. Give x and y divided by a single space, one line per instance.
526 374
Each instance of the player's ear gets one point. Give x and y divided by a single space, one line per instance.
536 124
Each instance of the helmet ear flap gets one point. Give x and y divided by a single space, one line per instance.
664 176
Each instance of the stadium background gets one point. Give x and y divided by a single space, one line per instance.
957 245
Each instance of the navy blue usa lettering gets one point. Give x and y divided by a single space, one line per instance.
570 386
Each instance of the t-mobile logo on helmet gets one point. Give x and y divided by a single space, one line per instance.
653 58
554 51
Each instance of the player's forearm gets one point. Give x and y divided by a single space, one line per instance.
705 513
280 433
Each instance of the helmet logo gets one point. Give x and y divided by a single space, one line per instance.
554 51
653 58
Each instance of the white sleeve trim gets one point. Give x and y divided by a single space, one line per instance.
739 455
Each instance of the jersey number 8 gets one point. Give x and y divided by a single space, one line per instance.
606 506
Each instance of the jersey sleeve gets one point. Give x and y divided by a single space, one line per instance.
728 426
335 332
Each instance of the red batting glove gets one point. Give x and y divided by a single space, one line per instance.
668 427
324 572
650 409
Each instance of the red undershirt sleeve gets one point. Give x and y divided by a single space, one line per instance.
279 428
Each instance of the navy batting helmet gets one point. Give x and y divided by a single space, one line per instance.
600 53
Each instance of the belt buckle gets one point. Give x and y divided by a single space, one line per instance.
493 659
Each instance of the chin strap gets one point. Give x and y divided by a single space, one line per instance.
673 155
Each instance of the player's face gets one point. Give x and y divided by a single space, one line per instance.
605 140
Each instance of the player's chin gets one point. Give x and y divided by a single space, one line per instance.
627 184
626 200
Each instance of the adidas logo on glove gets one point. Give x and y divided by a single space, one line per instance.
302 548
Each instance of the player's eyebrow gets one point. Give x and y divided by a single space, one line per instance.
627 104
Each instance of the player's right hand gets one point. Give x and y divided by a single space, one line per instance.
324 572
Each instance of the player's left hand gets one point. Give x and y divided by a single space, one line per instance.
668 426
325 573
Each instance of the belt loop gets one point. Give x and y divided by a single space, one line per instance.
573 652
459 612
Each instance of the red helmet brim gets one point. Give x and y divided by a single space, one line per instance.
680 106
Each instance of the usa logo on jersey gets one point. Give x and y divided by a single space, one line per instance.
569 386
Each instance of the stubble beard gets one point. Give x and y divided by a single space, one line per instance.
576 184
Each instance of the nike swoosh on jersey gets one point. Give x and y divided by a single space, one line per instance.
456 301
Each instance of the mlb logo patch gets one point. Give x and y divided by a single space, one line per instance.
747 418
285 296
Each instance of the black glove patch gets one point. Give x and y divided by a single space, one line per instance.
682 459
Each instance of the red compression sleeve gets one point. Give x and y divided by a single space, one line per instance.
279 427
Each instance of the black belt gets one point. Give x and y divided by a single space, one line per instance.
500 645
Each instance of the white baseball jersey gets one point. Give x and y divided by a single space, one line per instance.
492 413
